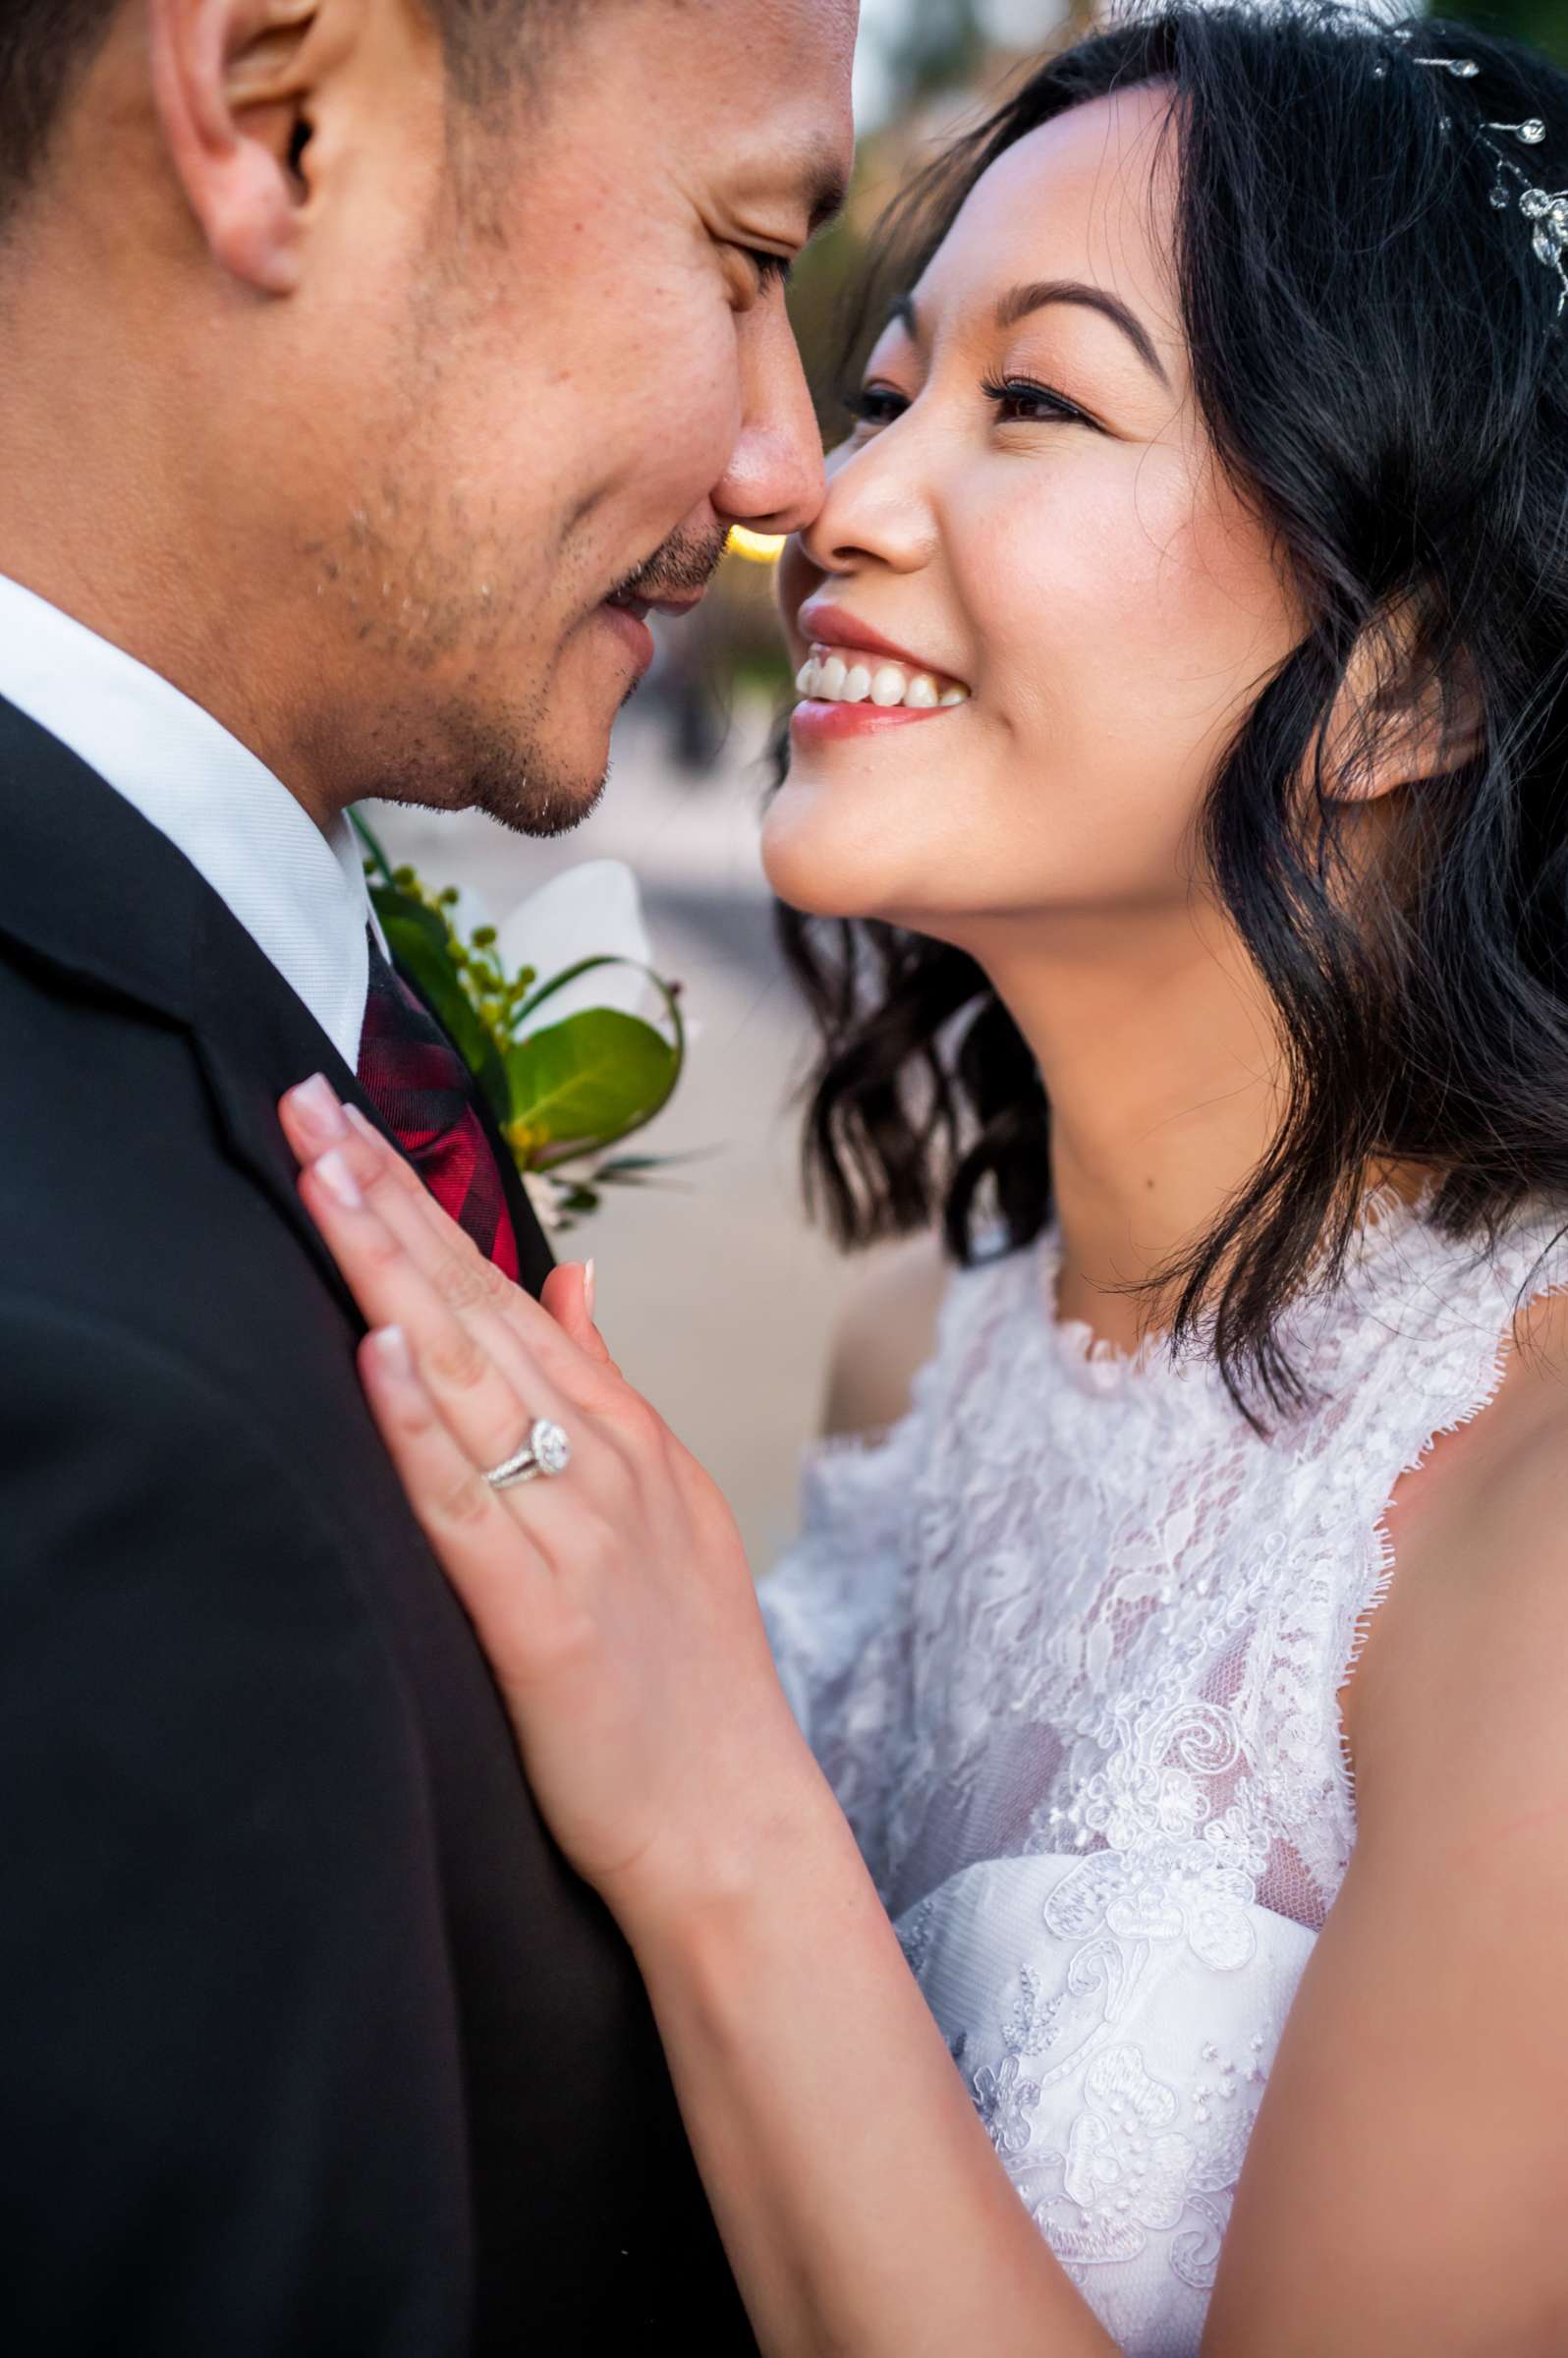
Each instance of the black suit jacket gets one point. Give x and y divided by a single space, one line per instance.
309 2039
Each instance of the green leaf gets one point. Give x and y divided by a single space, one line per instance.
669 992
367 837
418 940
645 1170
636 1163
570 974
591 1080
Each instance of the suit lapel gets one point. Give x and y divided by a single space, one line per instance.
86 885
92 889
255 1039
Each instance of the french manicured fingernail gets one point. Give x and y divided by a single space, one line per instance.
591 1287
317 1100
391 1347
339 1181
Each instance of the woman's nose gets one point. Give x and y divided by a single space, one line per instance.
877 508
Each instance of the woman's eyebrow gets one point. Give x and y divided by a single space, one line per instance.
1019 301
901 313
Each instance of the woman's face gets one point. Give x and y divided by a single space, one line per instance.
1030 510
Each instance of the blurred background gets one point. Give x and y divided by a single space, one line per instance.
715 1294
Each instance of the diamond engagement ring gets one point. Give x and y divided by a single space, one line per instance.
546 1451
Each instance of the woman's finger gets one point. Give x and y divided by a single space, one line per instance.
315 1119
485 1549
569 1296
487 1415
316 1123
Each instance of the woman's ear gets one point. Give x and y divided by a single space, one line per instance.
1400 716
234 83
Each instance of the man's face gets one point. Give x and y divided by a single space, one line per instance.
533 361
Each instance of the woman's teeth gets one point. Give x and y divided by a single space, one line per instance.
848 677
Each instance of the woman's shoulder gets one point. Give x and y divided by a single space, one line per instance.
1433 2000
1474 1630
886 1333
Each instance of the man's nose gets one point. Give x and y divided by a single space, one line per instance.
774 481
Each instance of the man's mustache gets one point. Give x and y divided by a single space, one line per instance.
681 567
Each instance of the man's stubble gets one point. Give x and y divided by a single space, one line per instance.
416 611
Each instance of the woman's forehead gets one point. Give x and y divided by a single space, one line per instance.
1090 194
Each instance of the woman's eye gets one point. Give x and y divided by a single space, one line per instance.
876 404
1019 400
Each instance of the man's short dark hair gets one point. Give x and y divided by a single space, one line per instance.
45 47
48 46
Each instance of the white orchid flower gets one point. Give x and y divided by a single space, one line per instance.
592 911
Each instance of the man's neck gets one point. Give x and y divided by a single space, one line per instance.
106 512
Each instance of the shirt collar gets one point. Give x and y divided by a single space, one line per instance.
301 895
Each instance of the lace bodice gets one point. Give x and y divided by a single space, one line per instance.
1069 1643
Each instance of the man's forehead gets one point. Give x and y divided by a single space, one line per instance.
781 85
765 105
835 22
776 49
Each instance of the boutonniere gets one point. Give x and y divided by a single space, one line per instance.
574 1039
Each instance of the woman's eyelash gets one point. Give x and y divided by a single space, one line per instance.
1014 397
773 270
875 404
1014 393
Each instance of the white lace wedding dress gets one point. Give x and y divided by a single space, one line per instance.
1068 1643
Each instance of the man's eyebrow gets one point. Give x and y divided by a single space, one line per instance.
825 186
1019 301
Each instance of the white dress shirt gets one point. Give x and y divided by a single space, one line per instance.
301 895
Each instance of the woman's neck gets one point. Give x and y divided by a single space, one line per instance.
1160 1050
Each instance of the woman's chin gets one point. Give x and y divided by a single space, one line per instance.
820 857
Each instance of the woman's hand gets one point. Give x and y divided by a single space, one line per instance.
857 2194
614 1600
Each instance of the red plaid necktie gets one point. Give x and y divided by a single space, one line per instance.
423 1092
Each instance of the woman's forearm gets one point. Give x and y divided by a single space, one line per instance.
859 2196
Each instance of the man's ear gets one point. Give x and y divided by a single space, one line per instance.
1398 718
234 82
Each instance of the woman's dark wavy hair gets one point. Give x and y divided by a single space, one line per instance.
1376 356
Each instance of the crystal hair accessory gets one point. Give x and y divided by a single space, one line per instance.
1512 188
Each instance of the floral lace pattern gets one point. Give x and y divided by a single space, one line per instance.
1069 1642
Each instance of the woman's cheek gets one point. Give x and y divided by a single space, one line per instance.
797 578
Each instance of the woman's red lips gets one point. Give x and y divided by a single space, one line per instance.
816 723
832 626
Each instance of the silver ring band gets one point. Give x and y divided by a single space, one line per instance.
546 1452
